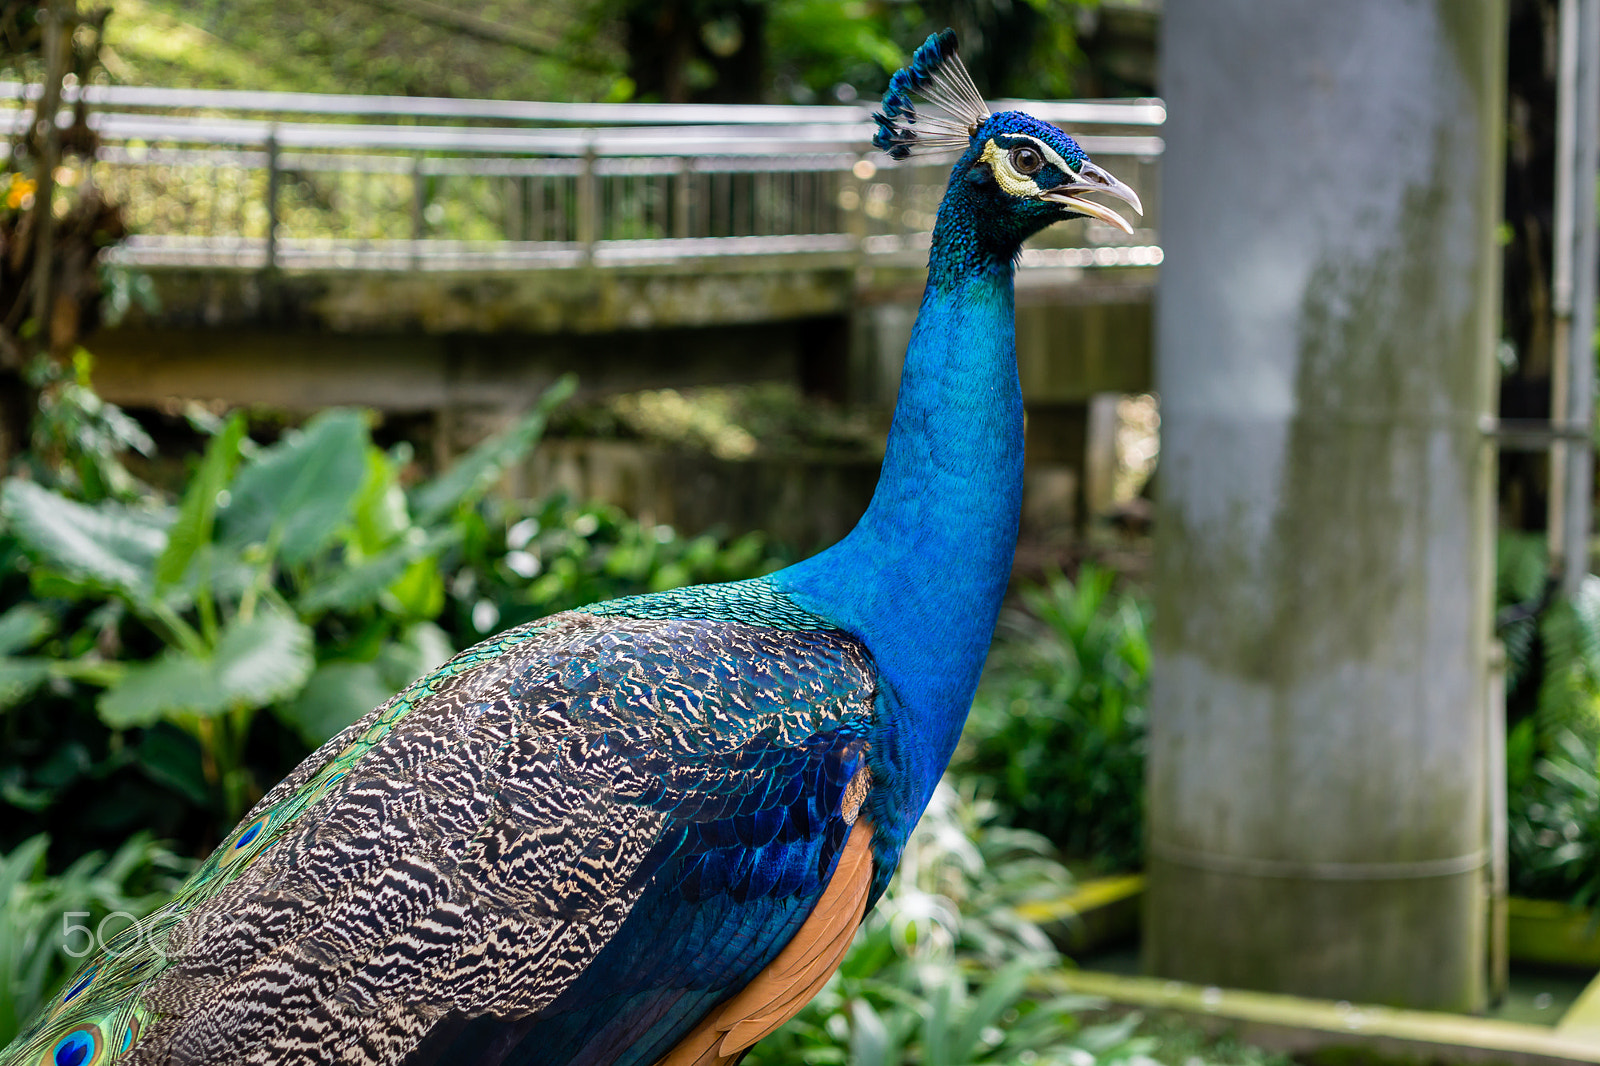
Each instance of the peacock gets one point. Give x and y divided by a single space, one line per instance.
643 832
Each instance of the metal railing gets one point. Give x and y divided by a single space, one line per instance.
302 181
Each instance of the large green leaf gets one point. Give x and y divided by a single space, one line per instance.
171 757
19 677
23 626
300 491
265 659
341 692
362 585
476 472
420 650
255 663
336 695
419 592
380 508
172 684
226 570
197 513
112 546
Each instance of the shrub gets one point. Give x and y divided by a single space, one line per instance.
945 971
1554 817
1058 727
141 637
47 924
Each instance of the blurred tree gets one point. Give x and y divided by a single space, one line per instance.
664 50
52 231
494 49
746 51
1118 41
1024 48
704 50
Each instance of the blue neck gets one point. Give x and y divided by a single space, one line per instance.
920 578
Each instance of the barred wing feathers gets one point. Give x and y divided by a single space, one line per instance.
567 846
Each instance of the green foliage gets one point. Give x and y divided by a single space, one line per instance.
294 497
234 579
798 51
1058 727
1552 645
476 472
105 546
945 971
385 49
141 639
817 44
517 567
78 437
801 48
1553 711
47 923
1569 691
255 662
1554 821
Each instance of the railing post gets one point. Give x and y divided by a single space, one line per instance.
272 198
588 206
512 224
852 200
419 196
680 197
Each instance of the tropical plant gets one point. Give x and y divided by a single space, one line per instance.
49 923
1058 727
141 634
519 562
1552 644
1554 816
946 970
1553 720
314 532
78 439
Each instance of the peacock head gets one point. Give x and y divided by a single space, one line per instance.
1018 172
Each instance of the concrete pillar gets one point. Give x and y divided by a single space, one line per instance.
1326 319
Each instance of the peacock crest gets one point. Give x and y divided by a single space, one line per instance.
937 74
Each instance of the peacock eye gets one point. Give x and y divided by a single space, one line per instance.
1026 160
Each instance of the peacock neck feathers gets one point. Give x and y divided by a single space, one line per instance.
920 578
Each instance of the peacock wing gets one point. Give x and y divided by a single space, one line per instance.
590 818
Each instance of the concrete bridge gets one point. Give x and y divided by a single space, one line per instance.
449 258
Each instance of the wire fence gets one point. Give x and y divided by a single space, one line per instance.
302 181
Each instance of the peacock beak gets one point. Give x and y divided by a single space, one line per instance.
1092 178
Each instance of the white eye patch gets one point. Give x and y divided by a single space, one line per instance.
1008 177
1005 175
